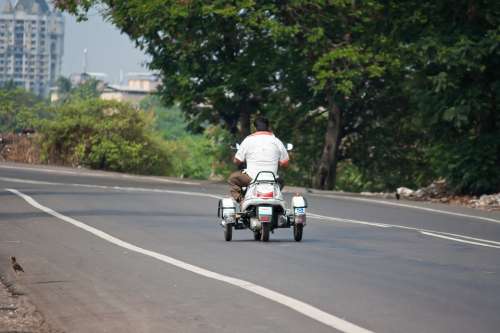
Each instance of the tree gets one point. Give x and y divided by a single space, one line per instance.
103 135
214 57
327 64
19 109
452 55
87 90
225 60
357 71
64 88
170 122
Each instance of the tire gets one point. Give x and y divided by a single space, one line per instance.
266 228
228 232
257 235
297 232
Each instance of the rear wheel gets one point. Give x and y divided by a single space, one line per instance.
297 232
228 232
266 228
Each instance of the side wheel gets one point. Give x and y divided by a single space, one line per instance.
297 232
228 232
266 228
256 235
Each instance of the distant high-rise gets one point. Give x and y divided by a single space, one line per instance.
31 44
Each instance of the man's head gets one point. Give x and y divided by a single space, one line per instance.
261 124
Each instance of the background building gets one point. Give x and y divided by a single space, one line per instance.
31 44
139 85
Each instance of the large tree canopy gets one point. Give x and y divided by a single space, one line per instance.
225 60
378 82
452 56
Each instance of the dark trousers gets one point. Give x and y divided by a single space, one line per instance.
236 181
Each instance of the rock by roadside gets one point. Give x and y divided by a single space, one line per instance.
486 201
438 192
18 314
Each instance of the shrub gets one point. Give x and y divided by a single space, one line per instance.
103 135
471 165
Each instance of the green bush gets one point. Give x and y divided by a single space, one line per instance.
19 109
202 156
103 135
168 121
471 165
191 157
350 178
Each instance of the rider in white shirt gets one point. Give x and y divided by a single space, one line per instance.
261 151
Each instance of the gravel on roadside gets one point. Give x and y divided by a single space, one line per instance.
18 313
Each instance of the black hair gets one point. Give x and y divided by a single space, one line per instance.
261 124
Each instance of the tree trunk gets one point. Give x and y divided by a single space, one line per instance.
244 121
327 169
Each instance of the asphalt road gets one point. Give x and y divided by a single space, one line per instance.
108 253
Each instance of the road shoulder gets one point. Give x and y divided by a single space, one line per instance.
18 313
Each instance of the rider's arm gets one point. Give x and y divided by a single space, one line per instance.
284 158
239 157
237 161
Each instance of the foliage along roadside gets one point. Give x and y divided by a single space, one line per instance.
396 88
104 135
82 130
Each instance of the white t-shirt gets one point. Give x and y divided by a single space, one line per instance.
262 151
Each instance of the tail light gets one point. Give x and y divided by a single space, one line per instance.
265 191
265 195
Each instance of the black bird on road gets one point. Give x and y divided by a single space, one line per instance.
15 265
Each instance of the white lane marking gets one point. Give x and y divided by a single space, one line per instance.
218 197
118 188
468 237
294 304
440 234
95 174
457 239
337 219
208 195
311 194
409 206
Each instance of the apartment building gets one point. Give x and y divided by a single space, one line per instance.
31 44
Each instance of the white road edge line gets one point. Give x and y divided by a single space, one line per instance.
457 239
311 194
337 219
118 188
292 303
462 236
208 195
92 174
408 206
443 234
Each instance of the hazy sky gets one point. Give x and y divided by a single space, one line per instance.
108 50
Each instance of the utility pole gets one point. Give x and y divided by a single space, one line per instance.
84 60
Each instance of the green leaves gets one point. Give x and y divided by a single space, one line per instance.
470 165
412 79
345 68
19 109
102 135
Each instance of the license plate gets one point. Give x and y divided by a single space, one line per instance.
265 210
300 211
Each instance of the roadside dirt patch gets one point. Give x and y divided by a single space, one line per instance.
23 148
18 314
